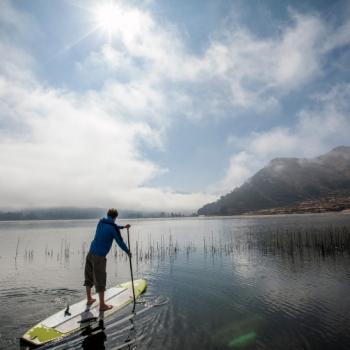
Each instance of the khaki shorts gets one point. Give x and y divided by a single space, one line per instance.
95 272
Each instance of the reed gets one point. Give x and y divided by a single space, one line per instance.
311 241
330 241
325 242
17 249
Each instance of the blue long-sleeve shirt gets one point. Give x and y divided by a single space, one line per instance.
106 232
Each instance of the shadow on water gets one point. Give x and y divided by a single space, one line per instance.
95 341
95 337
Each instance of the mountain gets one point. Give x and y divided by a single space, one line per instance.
290 182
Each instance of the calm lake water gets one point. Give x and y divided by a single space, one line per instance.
213 283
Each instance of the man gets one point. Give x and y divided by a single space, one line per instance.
95 266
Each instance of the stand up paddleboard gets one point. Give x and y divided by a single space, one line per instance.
79 316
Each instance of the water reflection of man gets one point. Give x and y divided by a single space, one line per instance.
95 266
96 337
95 341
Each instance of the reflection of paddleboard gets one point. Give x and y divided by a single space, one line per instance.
79 315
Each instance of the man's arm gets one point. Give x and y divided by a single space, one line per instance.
121 227
117 236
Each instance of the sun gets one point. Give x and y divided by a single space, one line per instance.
106 17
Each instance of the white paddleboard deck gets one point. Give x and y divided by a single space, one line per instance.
80 312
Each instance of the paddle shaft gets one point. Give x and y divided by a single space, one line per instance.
132 275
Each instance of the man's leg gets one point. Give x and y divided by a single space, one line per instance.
100 275
90 299
89 280
103 305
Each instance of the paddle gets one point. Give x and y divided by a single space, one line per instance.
132 275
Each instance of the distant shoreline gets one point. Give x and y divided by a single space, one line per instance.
293 212
76 213
260 214
247 214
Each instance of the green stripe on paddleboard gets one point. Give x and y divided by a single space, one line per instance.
242 340
43 334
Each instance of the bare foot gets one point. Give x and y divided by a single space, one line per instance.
105 307
90 301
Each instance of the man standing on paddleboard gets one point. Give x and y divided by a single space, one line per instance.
95 266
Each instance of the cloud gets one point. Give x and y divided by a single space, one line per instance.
64 148
259 71
67 143
238 171
316 131
237 70
67 151
156 48
10 19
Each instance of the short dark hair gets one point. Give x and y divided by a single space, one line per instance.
113 213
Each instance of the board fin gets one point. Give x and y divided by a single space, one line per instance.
66 312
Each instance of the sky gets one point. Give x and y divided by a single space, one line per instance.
164 105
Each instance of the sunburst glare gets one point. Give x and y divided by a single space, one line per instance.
106 16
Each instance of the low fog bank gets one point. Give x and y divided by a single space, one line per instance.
81 214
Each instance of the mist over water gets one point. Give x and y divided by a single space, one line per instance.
213 283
